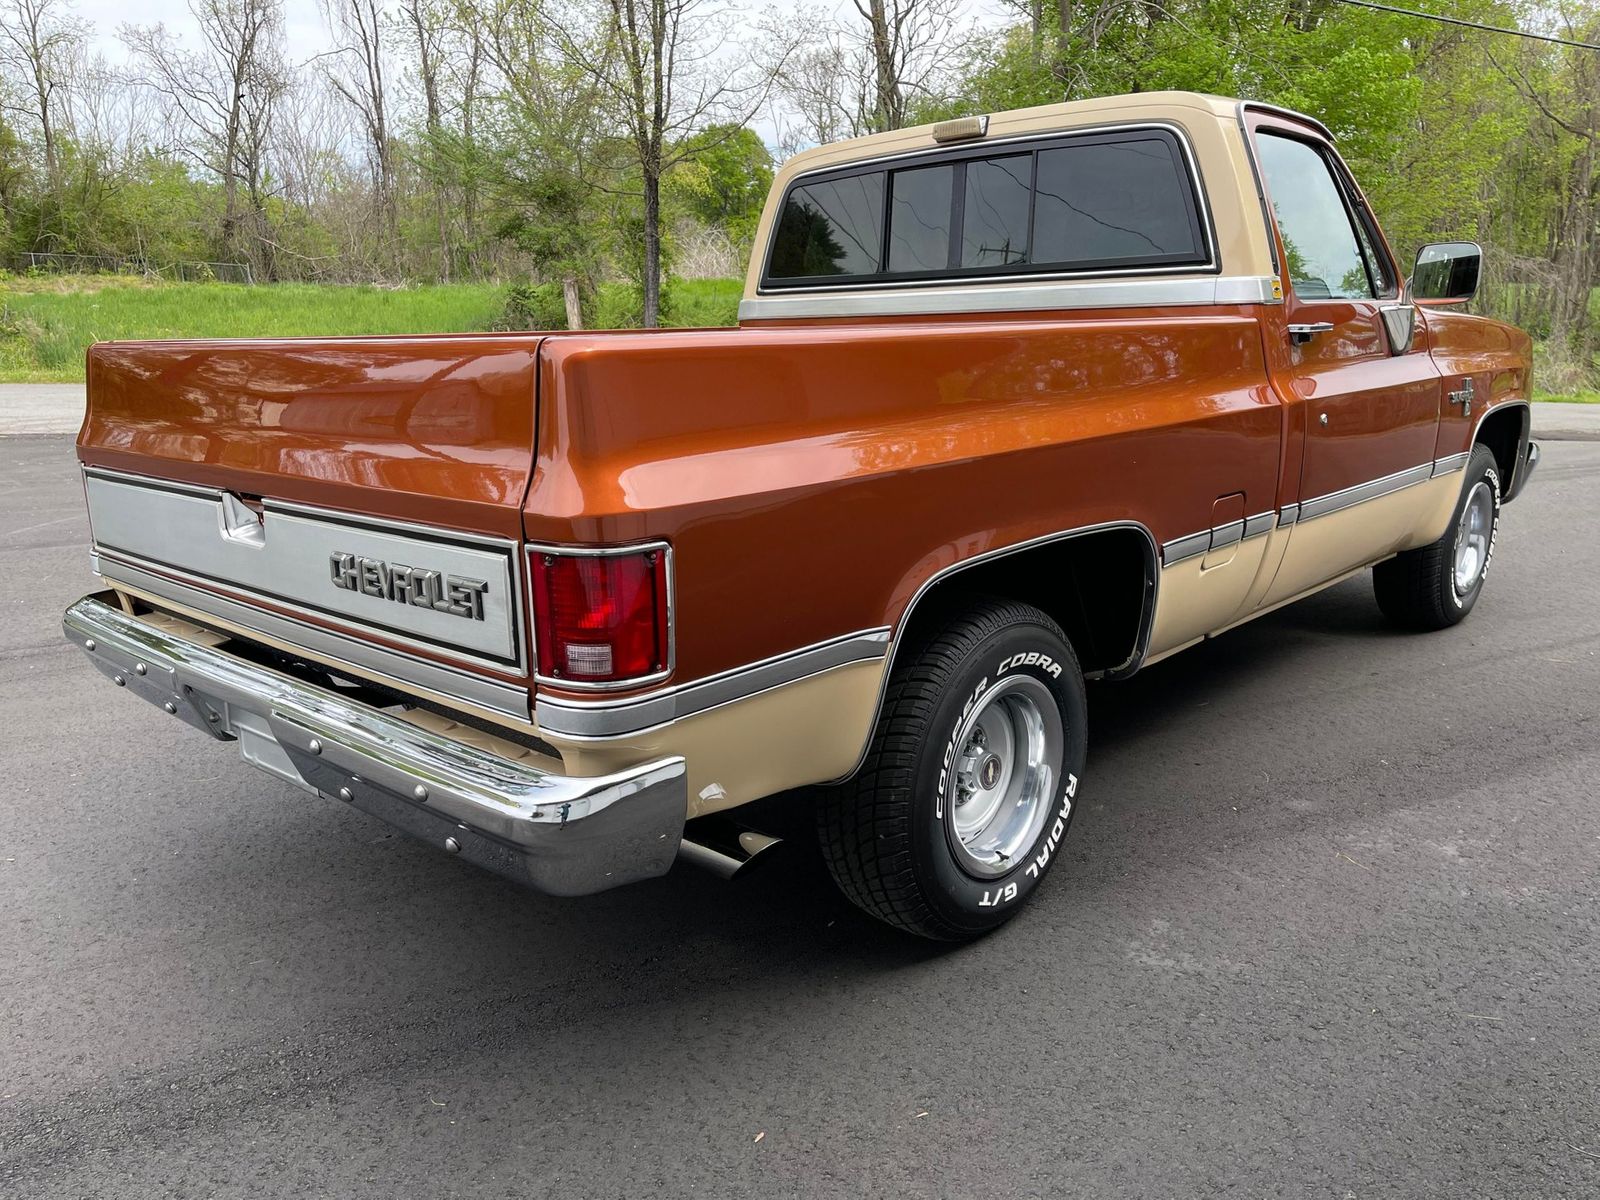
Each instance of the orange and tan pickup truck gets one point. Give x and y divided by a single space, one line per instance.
1014 402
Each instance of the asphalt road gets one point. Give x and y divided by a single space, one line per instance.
1327 926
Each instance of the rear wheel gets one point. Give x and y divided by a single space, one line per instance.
1435 586
969 785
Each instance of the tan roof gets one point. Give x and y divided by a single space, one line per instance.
1141 106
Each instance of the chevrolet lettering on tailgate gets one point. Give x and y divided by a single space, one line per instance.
408 585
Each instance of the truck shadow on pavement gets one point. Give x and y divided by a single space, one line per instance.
1155 741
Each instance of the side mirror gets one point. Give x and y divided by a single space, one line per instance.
1446 273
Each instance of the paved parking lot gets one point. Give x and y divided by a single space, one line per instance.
1327 926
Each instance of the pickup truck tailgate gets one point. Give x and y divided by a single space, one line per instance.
437 430
364 489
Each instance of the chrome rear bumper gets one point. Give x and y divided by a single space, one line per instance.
562 835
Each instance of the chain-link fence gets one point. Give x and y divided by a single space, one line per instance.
110 264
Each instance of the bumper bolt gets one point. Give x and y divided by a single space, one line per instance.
420 792
346 795
140 669
89 644
452 845
171 707
314 746
119 681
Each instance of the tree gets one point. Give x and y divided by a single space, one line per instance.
724 181
869 75
38 42
654 63
224 97
355 69
425 21
1564 85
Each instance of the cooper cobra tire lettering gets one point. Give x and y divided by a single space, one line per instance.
890 836
1030 659
950 746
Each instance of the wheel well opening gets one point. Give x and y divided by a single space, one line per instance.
1099 587
1503 433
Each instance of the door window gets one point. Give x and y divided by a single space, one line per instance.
1324 257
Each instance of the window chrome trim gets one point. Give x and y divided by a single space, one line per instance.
581 719
1033 295
402 671
616 685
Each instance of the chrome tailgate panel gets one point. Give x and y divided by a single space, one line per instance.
451 594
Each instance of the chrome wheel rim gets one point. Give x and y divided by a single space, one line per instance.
1008 758
1472 536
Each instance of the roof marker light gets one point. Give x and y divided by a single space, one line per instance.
960 129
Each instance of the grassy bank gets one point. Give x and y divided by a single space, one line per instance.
47 323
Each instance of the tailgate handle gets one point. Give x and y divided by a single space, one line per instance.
242 523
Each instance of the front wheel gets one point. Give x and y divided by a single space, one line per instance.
971 779
1435 586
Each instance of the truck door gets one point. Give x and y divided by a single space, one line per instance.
1369 395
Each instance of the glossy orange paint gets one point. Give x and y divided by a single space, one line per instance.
811 477
1498 358
437 430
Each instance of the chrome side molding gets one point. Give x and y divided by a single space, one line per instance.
1192 544
610 718
1321 506
1217 538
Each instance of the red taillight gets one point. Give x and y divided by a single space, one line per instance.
601 618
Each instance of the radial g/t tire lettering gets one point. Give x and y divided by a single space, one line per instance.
970 783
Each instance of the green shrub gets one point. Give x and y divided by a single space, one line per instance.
533 306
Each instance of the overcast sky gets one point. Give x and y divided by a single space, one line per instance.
307 33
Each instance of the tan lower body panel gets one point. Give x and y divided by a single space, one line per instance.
806 732
1195 599
1328 547
1195 602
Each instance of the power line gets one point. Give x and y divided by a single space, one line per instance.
1411 12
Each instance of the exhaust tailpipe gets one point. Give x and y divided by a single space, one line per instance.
723 846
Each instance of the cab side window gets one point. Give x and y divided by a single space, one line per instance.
1321 244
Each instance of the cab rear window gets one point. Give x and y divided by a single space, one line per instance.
1084 203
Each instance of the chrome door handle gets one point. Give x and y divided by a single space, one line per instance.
1301 334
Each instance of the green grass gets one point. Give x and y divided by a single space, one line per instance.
1580 397
47 323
